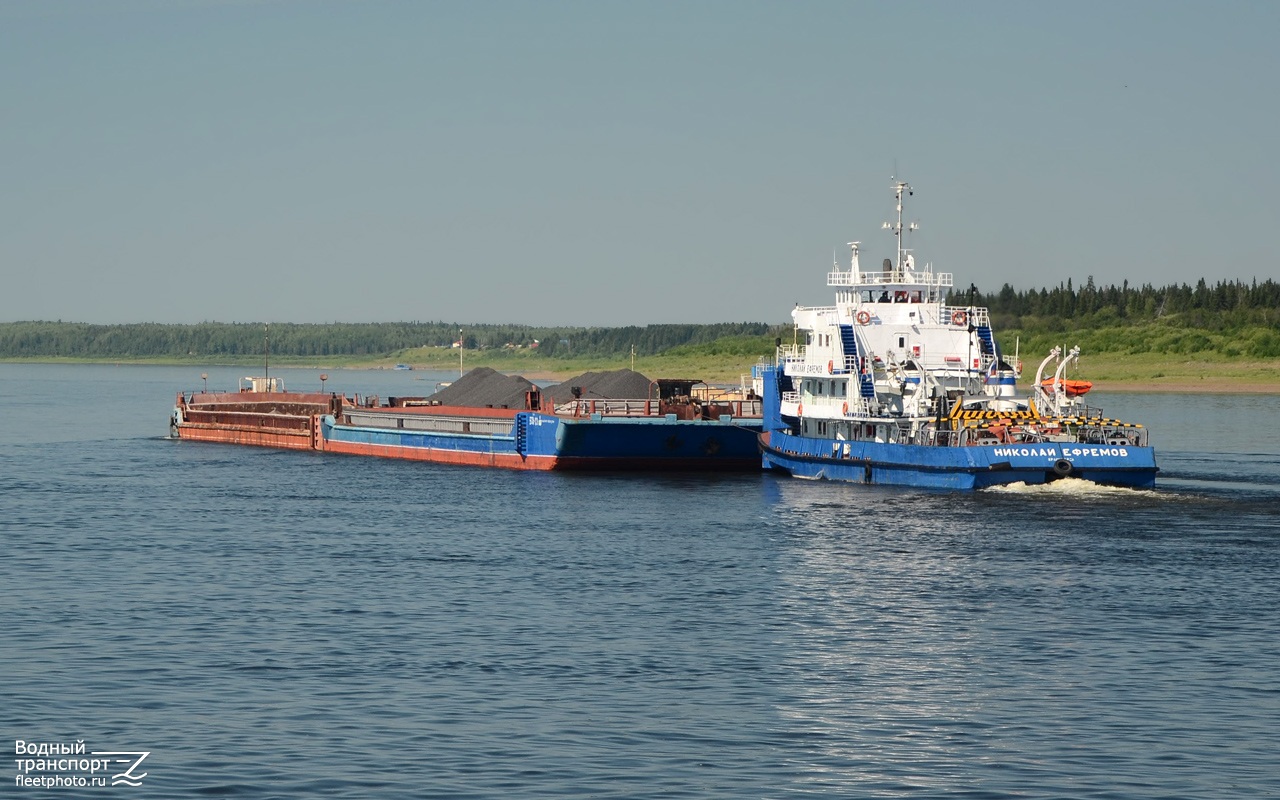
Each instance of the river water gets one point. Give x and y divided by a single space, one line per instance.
281 624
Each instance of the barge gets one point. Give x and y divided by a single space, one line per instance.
669 429
262 413
675 426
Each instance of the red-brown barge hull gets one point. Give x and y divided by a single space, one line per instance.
262 419
236 434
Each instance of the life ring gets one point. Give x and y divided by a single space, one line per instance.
844 409
800 409
959 318
831 367
863 318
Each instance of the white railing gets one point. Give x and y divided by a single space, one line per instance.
653 408
977 316
892 277
792 352
931 314
829 407
608 408
817 310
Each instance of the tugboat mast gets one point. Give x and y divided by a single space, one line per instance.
899 187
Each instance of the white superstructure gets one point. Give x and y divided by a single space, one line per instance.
891 344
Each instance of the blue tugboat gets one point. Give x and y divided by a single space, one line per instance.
894 385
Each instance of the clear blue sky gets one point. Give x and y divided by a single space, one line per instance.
612 163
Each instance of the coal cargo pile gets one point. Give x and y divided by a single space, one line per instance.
622 384
483 387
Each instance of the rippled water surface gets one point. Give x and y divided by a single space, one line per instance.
277 624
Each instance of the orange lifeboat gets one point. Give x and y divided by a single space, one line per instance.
1072 388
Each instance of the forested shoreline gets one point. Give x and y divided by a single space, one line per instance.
304 340
1230 318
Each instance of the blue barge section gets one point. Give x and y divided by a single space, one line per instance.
531 440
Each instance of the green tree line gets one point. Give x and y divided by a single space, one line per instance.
213 339
1218 307
1229 318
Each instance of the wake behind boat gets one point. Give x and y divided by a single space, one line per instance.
895 385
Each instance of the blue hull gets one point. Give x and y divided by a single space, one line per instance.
957 467
964 468
664 442
534 441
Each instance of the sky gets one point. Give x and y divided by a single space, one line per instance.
616 163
